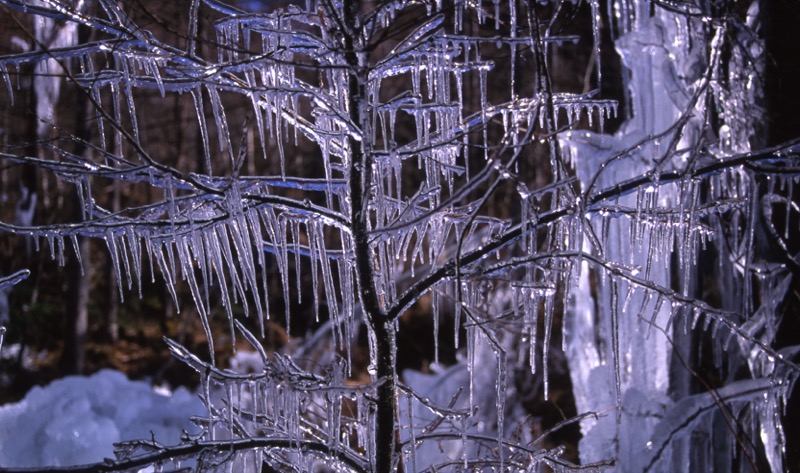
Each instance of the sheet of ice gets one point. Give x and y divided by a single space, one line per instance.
76 420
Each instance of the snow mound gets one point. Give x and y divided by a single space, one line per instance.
77 419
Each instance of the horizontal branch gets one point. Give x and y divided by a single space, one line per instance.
781 153
167 454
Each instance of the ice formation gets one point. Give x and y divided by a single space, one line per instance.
603 235
77 420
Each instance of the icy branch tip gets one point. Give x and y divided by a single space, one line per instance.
15 278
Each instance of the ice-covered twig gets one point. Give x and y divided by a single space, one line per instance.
13 279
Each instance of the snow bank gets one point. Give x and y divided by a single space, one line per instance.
76 420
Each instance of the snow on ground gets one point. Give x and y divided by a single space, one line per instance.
76 420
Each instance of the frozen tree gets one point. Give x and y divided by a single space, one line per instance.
655 254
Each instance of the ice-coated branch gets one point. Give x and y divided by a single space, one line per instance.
782 156
693 409
205 451
14 279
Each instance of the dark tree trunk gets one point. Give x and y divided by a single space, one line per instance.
79 266
77 311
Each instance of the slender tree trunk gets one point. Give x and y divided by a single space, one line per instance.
77 311
79 267
359 182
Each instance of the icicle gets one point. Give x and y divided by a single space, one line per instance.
501 386
532 308
135 247
435 316
646 296
197 97
548 326
77 250
115 263
411 429
471 345
218 110
59 241
317 264
124 251
128 92
656 310
596 20
615 348
167 271
214 241
283 265
697 314
298 261
7 80
628 297
789 193
261 303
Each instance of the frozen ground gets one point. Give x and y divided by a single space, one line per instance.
76 420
